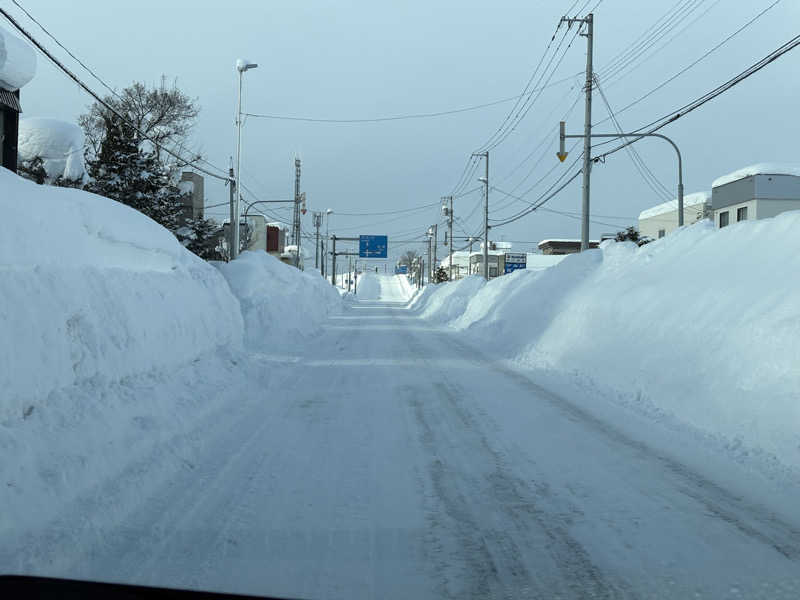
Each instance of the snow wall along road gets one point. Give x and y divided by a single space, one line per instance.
117 346
94 290
701 327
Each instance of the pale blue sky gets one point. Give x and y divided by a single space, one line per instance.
354 59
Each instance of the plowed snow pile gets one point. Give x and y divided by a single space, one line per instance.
94 289
116 346
702 325
278 301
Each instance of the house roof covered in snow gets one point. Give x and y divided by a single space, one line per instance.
672 205
17 62
58 143
758 169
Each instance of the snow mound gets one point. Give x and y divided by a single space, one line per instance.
369 287
58 143
92 290
758 169
703 325
277 300
17 62
451 299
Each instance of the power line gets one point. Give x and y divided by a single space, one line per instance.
708 96
647 175
693 63
619 75
391 212
89 91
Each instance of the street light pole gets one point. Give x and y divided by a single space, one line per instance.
241 66
562 155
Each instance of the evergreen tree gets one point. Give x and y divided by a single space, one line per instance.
135 177
632 235
203 237
440 275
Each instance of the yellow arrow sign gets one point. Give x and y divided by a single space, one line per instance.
562 156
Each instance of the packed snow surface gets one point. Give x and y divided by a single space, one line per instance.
758 169
58 143
672 205
17 62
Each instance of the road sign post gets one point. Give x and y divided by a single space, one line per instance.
373 246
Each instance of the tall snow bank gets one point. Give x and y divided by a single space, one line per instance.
58 143
369 287
94 290
450 300
278 301
703 324
17 62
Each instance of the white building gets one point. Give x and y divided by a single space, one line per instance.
756 192
658 221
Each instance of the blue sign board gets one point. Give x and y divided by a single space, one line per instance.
514 261
373 246
401 270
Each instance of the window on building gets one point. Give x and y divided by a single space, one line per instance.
723 218
661 233
741 214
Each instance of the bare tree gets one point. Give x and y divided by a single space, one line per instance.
409 257
164 114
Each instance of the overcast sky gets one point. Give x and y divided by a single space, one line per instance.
364 59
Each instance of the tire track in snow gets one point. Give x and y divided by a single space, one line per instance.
480 502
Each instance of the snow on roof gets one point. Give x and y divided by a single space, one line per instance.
758 169
672 205
543 261
58 143
566 242
17 62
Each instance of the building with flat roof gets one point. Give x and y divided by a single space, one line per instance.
658 221
759 191
556 247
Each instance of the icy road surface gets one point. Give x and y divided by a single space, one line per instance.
386 459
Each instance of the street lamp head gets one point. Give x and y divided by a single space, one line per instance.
483 180
329 211
243 64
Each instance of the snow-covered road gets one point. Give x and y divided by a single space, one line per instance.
387 459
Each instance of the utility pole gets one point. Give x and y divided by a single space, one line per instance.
485 180
435 243
430 233
317 220
231 239
333 261
587 126
296 219
448 211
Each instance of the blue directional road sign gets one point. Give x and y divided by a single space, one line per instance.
373 246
